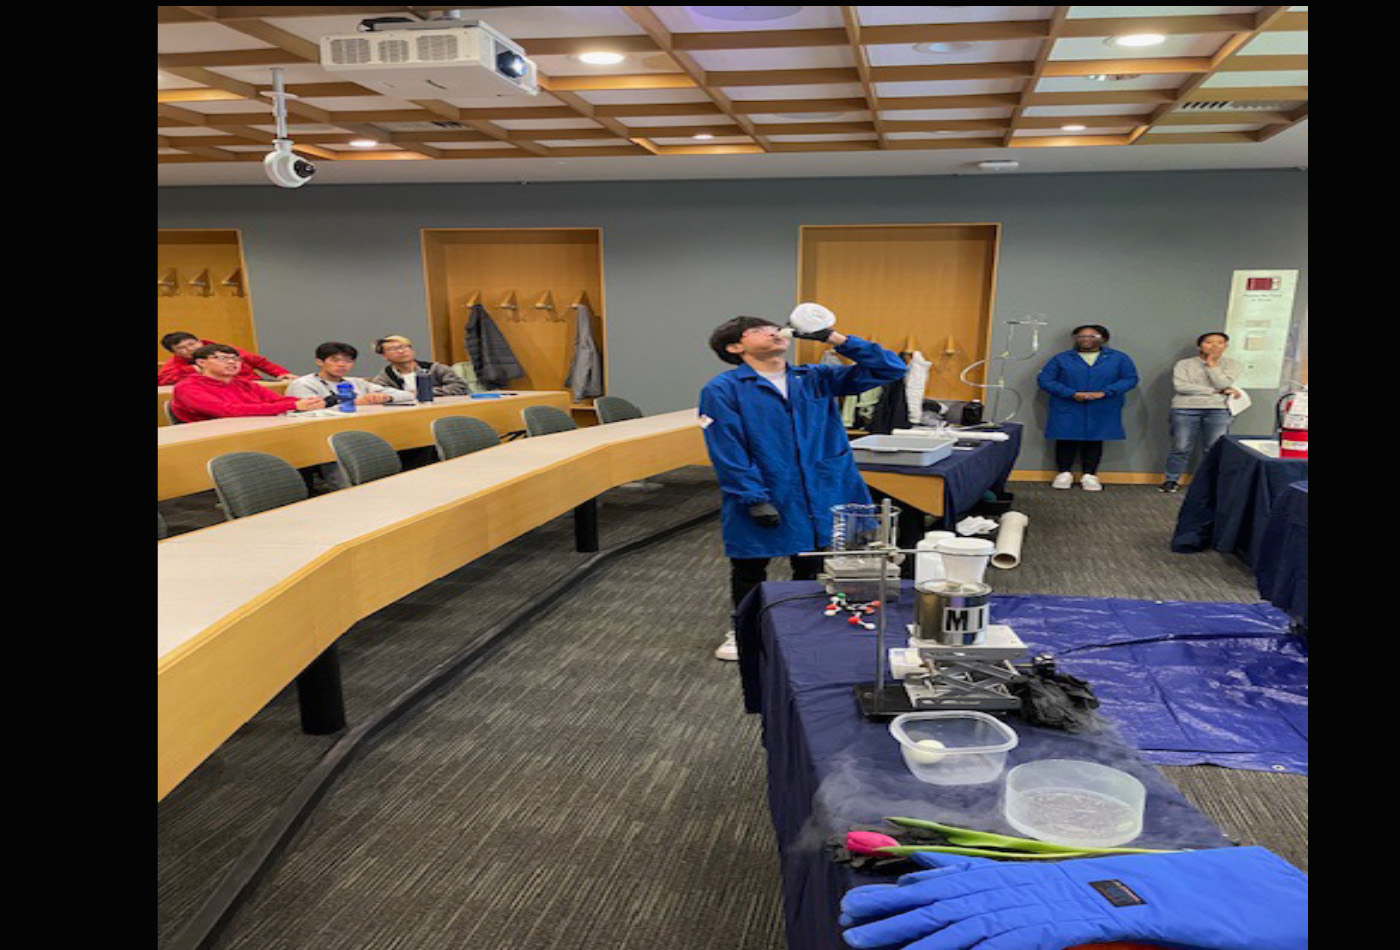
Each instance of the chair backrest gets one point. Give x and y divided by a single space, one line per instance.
170 413
542 420
364 456
250 482
615 409
162 532
460 435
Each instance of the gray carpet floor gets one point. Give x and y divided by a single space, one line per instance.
596 784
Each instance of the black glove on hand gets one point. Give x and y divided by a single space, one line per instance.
765 515
818 335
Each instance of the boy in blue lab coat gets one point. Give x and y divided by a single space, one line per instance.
778 446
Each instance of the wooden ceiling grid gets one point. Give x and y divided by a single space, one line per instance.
663 96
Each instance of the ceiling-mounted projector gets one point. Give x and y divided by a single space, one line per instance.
432 60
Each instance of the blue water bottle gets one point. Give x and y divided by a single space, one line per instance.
424 381
347 397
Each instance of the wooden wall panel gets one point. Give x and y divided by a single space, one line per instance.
528 264
926 286
225 315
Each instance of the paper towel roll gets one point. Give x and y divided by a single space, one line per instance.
1009 538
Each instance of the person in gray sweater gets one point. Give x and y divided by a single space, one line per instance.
1203 385
403 363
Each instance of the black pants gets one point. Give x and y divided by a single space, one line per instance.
1089 453
746 573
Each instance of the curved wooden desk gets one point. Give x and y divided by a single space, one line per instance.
183 452
244 607
163 394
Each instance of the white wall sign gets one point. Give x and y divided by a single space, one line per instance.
1258 321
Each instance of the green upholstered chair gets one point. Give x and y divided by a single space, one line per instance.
461 435
364 456
250 482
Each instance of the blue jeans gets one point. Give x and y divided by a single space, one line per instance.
1190 427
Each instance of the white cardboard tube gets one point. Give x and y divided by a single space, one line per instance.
1009 538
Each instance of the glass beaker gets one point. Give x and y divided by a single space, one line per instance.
855 527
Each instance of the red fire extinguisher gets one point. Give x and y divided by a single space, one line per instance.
1292 414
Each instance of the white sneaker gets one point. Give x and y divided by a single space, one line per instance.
1063 480
729 649
1091 483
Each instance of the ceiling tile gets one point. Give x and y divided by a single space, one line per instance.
938 135
962 87
1276 44
1121 109
1081 84
633 65
826 91
625 97
665 120
1197 129
844 137
814 116
895 15
935 115
1091 13
1092 47
203 38
1297 77
707 20
804 57
579 123
1008 51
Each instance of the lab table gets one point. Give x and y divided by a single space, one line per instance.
1227 506
948 489
829 768
1282 565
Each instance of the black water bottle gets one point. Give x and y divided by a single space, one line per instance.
972 413
424 381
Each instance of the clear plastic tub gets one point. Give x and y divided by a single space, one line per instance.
1066 801
973 746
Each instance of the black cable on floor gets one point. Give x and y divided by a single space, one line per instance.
215 913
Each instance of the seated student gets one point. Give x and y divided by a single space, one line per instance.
218 391
335 361
181 363
398 350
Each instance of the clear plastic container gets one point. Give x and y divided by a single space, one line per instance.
1066 801
972 746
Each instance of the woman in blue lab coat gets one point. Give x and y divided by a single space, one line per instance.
1086 386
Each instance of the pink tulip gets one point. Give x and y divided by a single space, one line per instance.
866 842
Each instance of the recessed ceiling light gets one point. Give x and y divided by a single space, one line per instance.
999 166
703 137
600 58
364 143
744 14
1073 128
1137 39
1112 77
940 48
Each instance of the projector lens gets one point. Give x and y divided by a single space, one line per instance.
511 64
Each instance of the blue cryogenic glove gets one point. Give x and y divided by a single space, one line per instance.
1220 899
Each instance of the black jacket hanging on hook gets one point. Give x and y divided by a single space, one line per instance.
492 358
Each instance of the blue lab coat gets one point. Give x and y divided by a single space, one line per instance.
792 453
1096 420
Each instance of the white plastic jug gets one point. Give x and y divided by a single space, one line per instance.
929 566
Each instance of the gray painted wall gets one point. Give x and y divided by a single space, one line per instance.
1148 255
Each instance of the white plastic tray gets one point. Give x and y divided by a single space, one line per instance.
919 451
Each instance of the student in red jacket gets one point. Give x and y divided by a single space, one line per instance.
180 364
219 391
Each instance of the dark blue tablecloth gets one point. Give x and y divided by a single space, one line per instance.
1281 567
830 768
1227 506
967 474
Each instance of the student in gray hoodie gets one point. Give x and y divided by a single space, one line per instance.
1203 386
403 363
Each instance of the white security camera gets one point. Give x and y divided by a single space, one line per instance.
286 168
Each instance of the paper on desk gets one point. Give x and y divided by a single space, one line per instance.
1240 404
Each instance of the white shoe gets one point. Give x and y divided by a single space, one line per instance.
1091 483
729 649
1063 480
